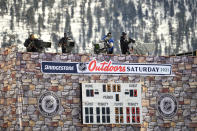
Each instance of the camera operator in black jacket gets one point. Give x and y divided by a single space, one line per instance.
66 43
33 44
124 43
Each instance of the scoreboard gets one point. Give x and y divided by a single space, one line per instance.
111 103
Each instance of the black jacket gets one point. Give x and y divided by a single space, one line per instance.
124 44
30 45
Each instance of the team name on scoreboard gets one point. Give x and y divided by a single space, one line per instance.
111 103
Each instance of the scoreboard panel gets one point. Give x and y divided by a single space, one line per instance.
111 103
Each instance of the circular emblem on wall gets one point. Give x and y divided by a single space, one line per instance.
167 105
82 66
48 104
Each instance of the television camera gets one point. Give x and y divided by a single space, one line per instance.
101 47
39 45
71 42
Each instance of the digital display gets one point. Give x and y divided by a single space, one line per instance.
111 103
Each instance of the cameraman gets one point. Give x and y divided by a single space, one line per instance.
124 43
109 43
33 44
66 43
30 43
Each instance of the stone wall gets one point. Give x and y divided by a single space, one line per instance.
22 82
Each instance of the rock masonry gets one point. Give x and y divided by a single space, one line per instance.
22 82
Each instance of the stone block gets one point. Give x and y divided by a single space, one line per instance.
192 125
56 118
172 124
60 88
193 103
25 123
61 123
26 80
121 58
144 89
76 100
165 90
28 129
20 99
54 88
141 60
55 124
145 103
186 112
187 101
26 57
2 101
31 109
194 119
195 60
85 58
143 129
54 81
145 124
7 88
188 66
39 122
171 90
194 84
32 123
181 66
32 101
75 112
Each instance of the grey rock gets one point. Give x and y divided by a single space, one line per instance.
194 96
72 93
59 129
157 129
186 112
34 117
36 93
180 124
65 129
44 128
102 128
65 93
25 100
39 86
39 122
150 129
152 124
144 109
160 121
36 129
68 123
72 128
11 92
147 118
121 58
183 94
75 112
193 103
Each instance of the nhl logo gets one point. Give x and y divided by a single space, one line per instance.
48 104
82 66
167 106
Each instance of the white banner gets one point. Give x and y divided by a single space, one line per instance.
94 67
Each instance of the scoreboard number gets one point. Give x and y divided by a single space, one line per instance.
111 103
